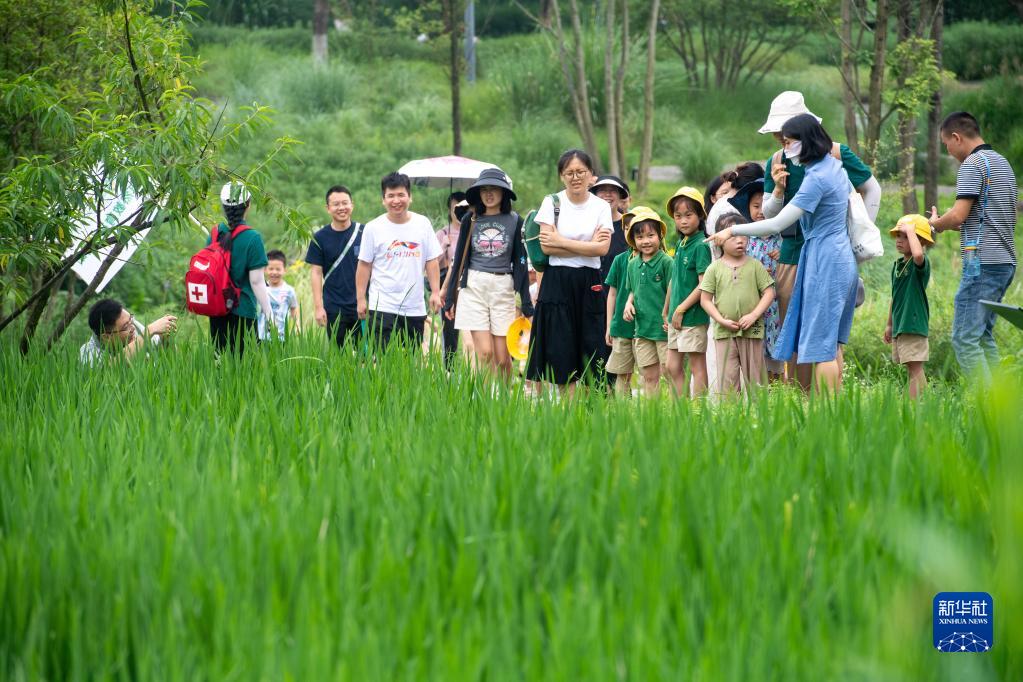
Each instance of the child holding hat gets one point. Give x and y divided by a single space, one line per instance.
909 315
648 276
686 320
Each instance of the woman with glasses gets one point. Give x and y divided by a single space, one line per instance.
116 333
567 340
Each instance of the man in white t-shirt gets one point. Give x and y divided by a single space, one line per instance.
396 248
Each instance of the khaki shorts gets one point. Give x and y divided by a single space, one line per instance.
688 339
740 362
649 352
910 348
486 304
784 283
622 360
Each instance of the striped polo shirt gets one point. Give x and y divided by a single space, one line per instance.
992 186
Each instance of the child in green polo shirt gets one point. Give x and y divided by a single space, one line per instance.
619 331
648 276
736 291
687 321
909 315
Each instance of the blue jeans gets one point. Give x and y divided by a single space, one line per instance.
972 325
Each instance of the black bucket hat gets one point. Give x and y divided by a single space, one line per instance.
741 199
490 177
611 181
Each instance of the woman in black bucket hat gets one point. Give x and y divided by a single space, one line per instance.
489 268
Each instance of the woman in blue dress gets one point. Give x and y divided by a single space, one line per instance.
820 314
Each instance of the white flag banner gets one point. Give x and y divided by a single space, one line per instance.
116 210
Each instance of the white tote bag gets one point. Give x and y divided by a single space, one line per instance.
863 233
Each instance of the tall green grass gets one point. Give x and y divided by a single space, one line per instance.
300 515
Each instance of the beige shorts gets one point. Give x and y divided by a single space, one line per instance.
649 352
486 304
622 360
910 348
784 283
740 362
688 339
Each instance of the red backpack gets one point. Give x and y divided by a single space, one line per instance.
209 289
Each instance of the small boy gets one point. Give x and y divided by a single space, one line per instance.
648 276
620 332
909 314
282 296
736 292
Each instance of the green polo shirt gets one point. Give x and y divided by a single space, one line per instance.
617 278
247 253
692 258
910 311
737 292
649 283
857 171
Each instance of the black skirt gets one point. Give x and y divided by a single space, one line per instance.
567 340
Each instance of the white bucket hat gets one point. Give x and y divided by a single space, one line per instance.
786 105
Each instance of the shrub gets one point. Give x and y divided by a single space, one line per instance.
998 106
311 90
976 50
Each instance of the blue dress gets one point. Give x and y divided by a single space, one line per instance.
820 313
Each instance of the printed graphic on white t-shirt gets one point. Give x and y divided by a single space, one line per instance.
399 253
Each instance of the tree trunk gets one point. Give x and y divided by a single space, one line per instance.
610 99
932 167
906 120
456 82
848 66
73 311
589 137
648 98
873 133
321 22
34 315
623 63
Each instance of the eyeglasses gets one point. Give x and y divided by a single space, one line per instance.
575 174
127 328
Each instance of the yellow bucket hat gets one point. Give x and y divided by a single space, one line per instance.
919 224
690 193
517 338
638 214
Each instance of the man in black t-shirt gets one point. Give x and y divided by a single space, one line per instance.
333 256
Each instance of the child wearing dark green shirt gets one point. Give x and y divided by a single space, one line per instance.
686 319
648 276
620 333
909 315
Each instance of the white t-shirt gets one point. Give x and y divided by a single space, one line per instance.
577 221
399 254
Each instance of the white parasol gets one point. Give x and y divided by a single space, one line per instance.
444 171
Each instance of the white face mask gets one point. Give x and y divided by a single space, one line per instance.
793 151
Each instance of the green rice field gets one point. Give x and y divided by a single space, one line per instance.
299 515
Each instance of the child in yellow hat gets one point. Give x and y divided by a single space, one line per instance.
685 319
648 276
909 315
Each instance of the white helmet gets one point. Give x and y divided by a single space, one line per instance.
234 194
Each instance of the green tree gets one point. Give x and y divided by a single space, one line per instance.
122 118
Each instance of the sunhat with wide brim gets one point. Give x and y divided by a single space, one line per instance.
637 215
490 177
786 105
689 193
740 200
919 224
611 181
517 338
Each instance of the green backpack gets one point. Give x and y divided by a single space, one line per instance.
531 236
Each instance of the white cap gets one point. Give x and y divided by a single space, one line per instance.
786 105
234 194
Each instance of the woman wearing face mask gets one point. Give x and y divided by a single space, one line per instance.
824 294
782 183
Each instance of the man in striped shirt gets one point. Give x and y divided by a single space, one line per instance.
984 213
